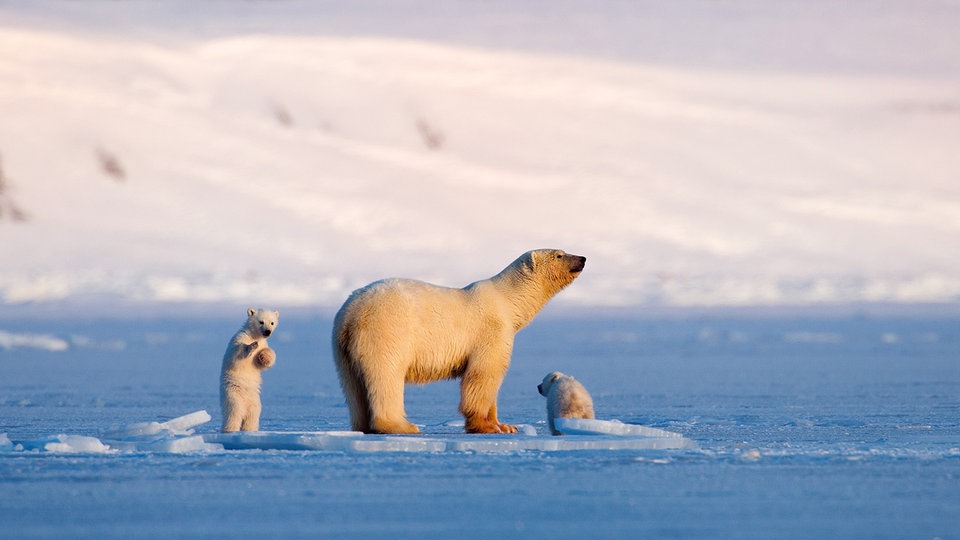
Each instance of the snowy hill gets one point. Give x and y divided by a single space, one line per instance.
290 168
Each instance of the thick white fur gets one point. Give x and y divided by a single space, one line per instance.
399 331
566 398
246 356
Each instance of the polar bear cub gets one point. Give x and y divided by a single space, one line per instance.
566 398
246 356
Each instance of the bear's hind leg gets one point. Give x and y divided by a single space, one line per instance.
251 420
355 394
387 413
232 419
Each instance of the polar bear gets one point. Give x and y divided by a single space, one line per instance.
399 331
246 356
566 398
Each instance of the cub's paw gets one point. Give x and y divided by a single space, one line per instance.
265 358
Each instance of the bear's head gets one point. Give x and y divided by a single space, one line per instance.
544 387
553 266
262 322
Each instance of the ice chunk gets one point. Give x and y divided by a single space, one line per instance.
585 426
526 429
181 445
72 444
138 430
6 445
183 424
45 342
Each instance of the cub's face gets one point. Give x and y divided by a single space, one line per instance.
544 387
262 321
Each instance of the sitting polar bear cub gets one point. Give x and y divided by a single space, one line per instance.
399 331
246 356
566 398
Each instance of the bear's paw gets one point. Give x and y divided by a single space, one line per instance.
265 358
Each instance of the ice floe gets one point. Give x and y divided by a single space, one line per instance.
179 436
584 435
351 441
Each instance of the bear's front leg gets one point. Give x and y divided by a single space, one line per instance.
478 404
492 419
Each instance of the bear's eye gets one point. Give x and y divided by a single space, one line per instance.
261 322
559 255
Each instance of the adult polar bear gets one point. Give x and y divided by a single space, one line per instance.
399 331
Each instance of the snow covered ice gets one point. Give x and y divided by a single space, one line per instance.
748 420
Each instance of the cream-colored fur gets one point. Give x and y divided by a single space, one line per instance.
566 398
399 331
246 356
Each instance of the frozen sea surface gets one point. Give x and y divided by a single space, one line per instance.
839 425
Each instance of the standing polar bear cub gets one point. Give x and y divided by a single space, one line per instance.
566 398
246 356
399 331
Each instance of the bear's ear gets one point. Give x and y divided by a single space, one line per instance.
276 313
529 261
250 312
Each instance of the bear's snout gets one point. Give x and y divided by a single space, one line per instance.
578 263
267 332
540 388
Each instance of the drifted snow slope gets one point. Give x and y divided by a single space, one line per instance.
291 170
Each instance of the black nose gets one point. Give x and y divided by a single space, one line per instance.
266 333
539 388
578 264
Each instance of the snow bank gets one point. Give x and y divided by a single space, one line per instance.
686 186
